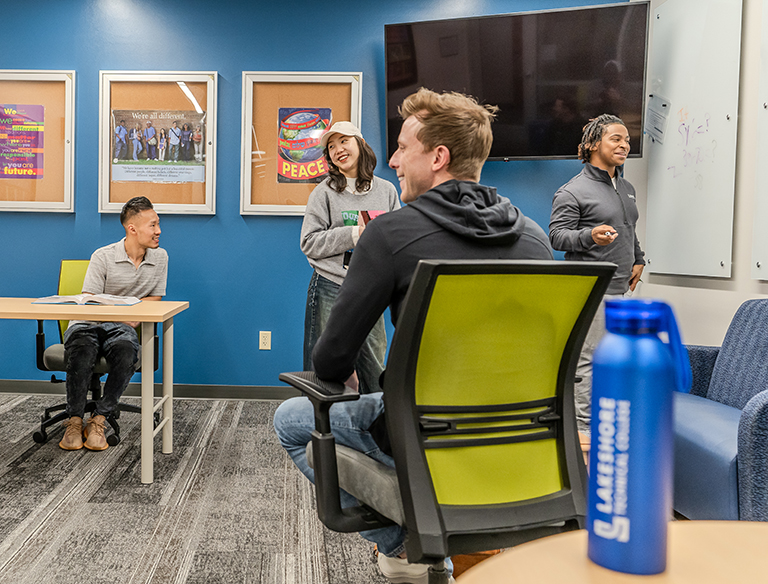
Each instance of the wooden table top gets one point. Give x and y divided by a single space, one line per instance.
150 311
700 552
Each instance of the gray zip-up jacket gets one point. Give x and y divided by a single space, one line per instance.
589 199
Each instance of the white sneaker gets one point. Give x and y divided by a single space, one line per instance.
399 571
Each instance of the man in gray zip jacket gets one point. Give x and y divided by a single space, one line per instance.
594 217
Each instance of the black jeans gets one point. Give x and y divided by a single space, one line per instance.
83 344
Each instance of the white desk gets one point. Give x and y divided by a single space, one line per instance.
699 552
147 313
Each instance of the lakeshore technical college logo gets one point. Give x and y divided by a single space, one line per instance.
612 470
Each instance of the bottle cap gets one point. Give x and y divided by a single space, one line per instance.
651 316
632 315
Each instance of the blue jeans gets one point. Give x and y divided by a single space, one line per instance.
84 343
174 153
369 365
294 422
137 148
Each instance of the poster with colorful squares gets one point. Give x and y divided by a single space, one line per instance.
21 141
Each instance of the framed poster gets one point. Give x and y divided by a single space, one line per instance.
37 140
157 138
284 115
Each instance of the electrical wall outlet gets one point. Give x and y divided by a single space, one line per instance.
265 340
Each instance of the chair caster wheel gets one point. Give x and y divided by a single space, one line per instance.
113 439
40 437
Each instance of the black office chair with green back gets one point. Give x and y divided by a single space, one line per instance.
478 393
52 358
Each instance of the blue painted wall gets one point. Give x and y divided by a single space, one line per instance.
240 274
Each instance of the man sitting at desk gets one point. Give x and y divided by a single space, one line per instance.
134 266
443 144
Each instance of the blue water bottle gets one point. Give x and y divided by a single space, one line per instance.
630 465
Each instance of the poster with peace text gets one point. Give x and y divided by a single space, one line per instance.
300 157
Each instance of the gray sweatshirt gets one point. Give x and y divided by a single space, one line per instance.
325 236
589 199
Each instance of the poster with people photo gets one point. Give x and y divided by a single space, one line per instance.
158 146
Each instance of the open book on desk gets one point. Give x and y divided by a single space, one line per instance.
103 299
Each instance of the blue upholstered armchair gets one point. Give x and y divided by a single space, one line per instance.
721 427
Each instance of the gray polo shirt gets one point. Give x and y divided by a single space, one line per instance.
111 271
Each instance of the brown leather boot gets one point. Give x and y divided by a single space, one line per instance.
73 435
94 433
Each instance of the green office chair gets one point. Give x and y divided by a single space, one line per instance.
478 392
71 277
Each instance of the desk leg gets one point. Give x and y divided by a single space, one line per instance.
168 385
147 401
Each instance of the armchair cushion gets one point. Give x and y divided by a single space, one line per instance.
368 480
706 446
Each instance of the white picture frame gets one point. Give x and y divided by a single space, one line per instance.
265 94
54 92
188 187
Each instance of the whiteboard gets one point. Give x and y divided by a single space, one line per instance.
694 69
760 228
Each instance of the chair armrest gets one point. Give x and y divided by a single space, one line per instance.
753 459
702 363
308 383
156 342
40 346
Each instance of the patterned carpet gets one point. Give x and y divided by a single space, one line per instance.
227 506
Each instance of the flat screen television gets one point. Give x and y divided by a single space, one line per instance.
549 72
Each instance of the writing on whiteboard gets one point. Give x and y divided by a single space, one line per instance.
694 147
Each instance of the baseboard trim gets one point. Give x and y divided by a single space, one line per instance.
261 392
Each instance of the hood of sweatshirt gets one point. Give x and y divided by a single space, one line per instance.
473 211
